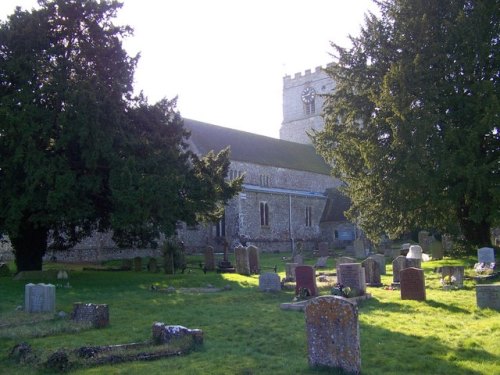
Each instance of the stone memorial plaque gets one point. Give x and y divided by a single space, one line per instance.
209 258
254 259
305 277
488 296
269 282
412 284
352 275
333 340
242 263
372 272
486 255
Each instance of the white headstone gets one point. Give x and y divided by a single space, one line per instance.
415 252
39 298
486 255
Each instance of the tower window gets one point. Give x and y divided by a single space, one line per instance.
309 108
264 214
264 180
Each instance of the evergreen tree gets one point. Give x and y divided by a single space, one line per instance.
412 126
77 151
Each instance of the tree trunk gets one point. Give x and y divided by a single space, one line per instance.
29 245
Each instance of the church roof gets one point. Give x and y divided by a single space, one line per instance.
254 148
336 204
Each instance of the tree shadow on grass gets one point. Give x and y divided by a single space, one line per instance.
444 306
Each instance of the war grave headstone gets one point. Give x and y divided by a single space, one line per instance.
359 248
269 282
39 298
352 275
209 258
372 272
398 265
323 249
305 278
254 259
242 264
437 251
453 276
137 264
332 328
488 296
96 314
290 271
412 284
380 259
321 262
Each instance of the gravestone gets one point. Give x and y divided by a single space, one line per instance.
332 328
405 248
321 262
455 272
254 259
299 259
152 265
290 271
437 251
359 248
4 270
242 264
486 255
269 282
342 260
137 264
96 314
447 242
39 298
352 275
412 284
372 272
424 240
398 265
165 334
415 252
380 259
323 249
305 278
413 262
488 296
209 258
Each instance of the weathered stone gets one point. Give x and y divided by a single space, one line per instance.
413 262
269 282
290 271
380 259
305 277
352 275
343 260
209 258
242 264
321 262
437 251
323 249
299 259
333 339
424 240
22 353
398 265
455 273
488 296
359 248
412 284
164 334
372 272
39 298
96 314
58 361
486 255
254 259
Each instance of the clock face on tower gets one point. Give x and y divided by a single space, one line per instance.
308 95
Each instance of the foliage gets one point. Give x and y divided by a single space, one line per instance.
78 152
412 126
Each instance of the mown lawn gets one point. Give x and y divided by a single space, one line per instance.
246 332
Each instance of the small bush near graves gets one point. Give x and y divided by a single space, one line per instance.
245 331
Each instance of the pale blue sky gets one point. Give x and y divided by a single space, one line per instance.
226 59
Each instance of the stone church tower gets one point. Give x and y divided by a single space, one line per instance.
303 103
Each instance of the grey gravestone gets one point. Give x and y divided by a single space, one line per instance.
457 272
352 275
299 259
398 265
321 262
254 259
209 258
437 251
290 271
413 262
333 340
488 296
447 242
424 240
305 278
372 272
412 284
380 259
323 249
343 260
405 248
269 282
137 264
242 264
165 334
39 298
96 314
359 248
486 255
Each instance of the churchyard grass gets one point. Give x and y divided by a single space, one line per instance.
245 331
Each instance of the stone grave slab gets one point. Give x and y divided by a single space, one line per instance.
372 272
380 259
209 258
488 296
269 282
455 272
305 277
352 275
486 255
241 263
333 340
39 298
152 265
254 259
412 284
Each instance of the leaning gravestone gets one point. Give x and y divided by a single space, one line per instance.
209 258
372 272
253 259
412 284
486 255
352 275
333 339
242 264
398 265
305 277
323 249
380 259
269 282
96 314
455 272
488 296
290 271
39 298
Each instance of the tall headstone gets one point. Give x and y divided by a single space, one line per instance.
352 275
290 271
488 296
380 259
242 264
437 251
372 272
424 240
455 273
333 340
39 298
209 258
398 265
447 242
359 248
323 249
152 265
412 284
305 278
486 255
254 259
269 282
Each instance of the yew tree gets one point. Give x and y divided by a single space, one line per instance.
412 127
78 152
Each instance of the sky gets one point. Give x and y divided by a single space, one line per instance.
225 59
